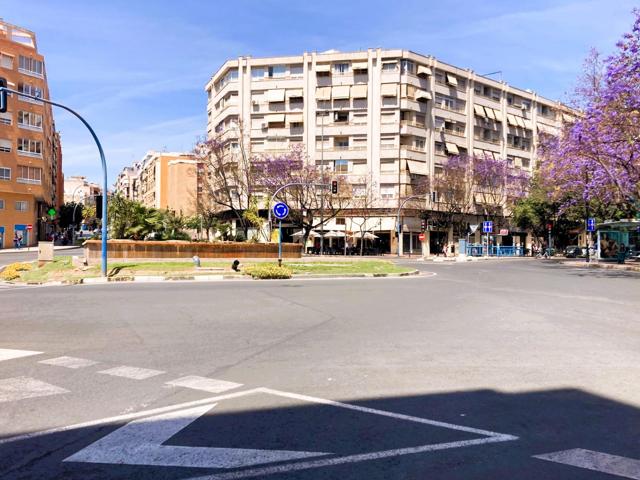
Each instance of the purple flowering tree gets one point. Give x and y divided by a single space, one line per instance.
597 158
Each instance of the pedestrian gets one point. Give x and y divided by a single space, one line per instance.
622 253
445 248
17 243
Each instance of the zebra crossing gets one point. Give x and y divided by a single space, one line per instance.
22 387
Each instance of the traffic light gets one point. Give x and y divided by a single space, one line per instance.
3 96
423 225
334 187
549 226
98 206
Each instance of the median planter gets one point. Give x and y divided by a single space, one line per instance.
137 250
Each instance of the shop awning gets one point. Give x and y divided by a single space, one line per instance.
323 67
511 119
528 124
295 118
490 113
452 148
520 122
275 95
340 93
359 65
389 90
359 91
417 168
498 115
452 80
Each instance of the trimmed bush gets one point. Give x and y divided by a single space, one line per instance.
268 271
12 271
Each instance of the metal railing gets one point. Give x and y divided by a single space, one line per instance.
480 250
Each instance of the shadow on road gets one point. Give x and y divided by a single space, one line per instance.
544 422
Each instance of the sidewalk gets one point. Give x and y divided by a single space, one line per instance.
35 249
629 266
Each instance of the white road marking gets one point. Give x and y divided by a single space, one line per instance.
123 418
489 437
133 373
8 354
69 362
210 385
598 461
20 388
140 443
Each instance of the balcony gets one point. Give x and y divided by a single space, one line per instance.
410 127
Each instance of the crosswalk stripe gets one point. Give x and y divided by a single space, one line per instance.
133 373
9 354
69 362
598 461
210 385
20 388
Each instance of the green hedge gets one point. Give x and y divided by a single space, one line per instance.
267 271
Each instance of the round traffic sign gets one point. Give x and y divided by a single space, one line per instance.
421 237
280 210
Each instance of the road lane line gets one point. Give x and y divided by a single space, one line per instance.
210 385
69 362
20 388
597 461
134 373
8 354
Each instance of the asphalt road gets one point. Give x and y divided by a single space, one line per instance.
32 254
490 370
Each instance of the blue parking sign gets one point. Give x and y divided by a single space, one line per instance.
591 224
487 226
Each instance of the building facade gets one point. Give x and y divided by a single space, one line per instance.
390 116
30 150
79 190
164 180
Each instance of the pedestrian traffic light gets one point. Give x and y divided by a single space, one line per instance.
334 187
3 95
98 206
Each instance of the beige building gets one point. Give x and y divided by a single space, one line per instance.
30 151
78 189
164 180
392 116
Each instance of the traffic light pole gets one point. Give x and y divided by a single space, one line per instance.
102 159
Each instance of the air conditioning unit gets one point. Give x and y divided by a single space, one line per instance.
264 125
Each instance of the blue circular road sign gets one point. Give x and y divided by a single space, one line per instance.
280 210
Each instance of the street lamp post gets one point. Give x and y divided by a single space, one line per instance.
102 160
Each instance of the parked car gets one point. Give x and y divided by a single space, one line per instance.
575 251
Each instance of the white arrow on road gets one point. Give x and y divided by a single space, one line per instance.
140 443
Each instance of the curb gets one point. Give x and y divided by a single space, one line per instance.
205 278
605 266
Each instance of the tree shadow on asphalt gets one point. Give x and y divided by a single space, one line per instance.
543 422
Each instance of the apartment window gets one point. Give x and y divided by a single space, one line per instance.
31 175
440 77
22 205
341 117
341 143
6 61
419 143
420 120
340 221
28 147
407 66
358 190
526 104
5 118
31 66
257 73
439 147
447 103
30 120
341 68
341 166
390 66
1 204
29 90
387 190
5 173
5 145
296 70
277 71
387 142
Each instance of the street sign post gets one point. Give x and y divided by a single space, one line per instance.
29 227
487 228
280 211
591 224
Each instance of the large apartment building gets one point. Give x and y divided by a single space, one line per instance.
392 116
30 151
165 180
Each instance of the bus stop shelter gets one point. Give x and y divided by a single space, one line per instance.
612 235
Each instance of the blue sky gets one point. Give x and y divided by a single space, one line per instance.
136 69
